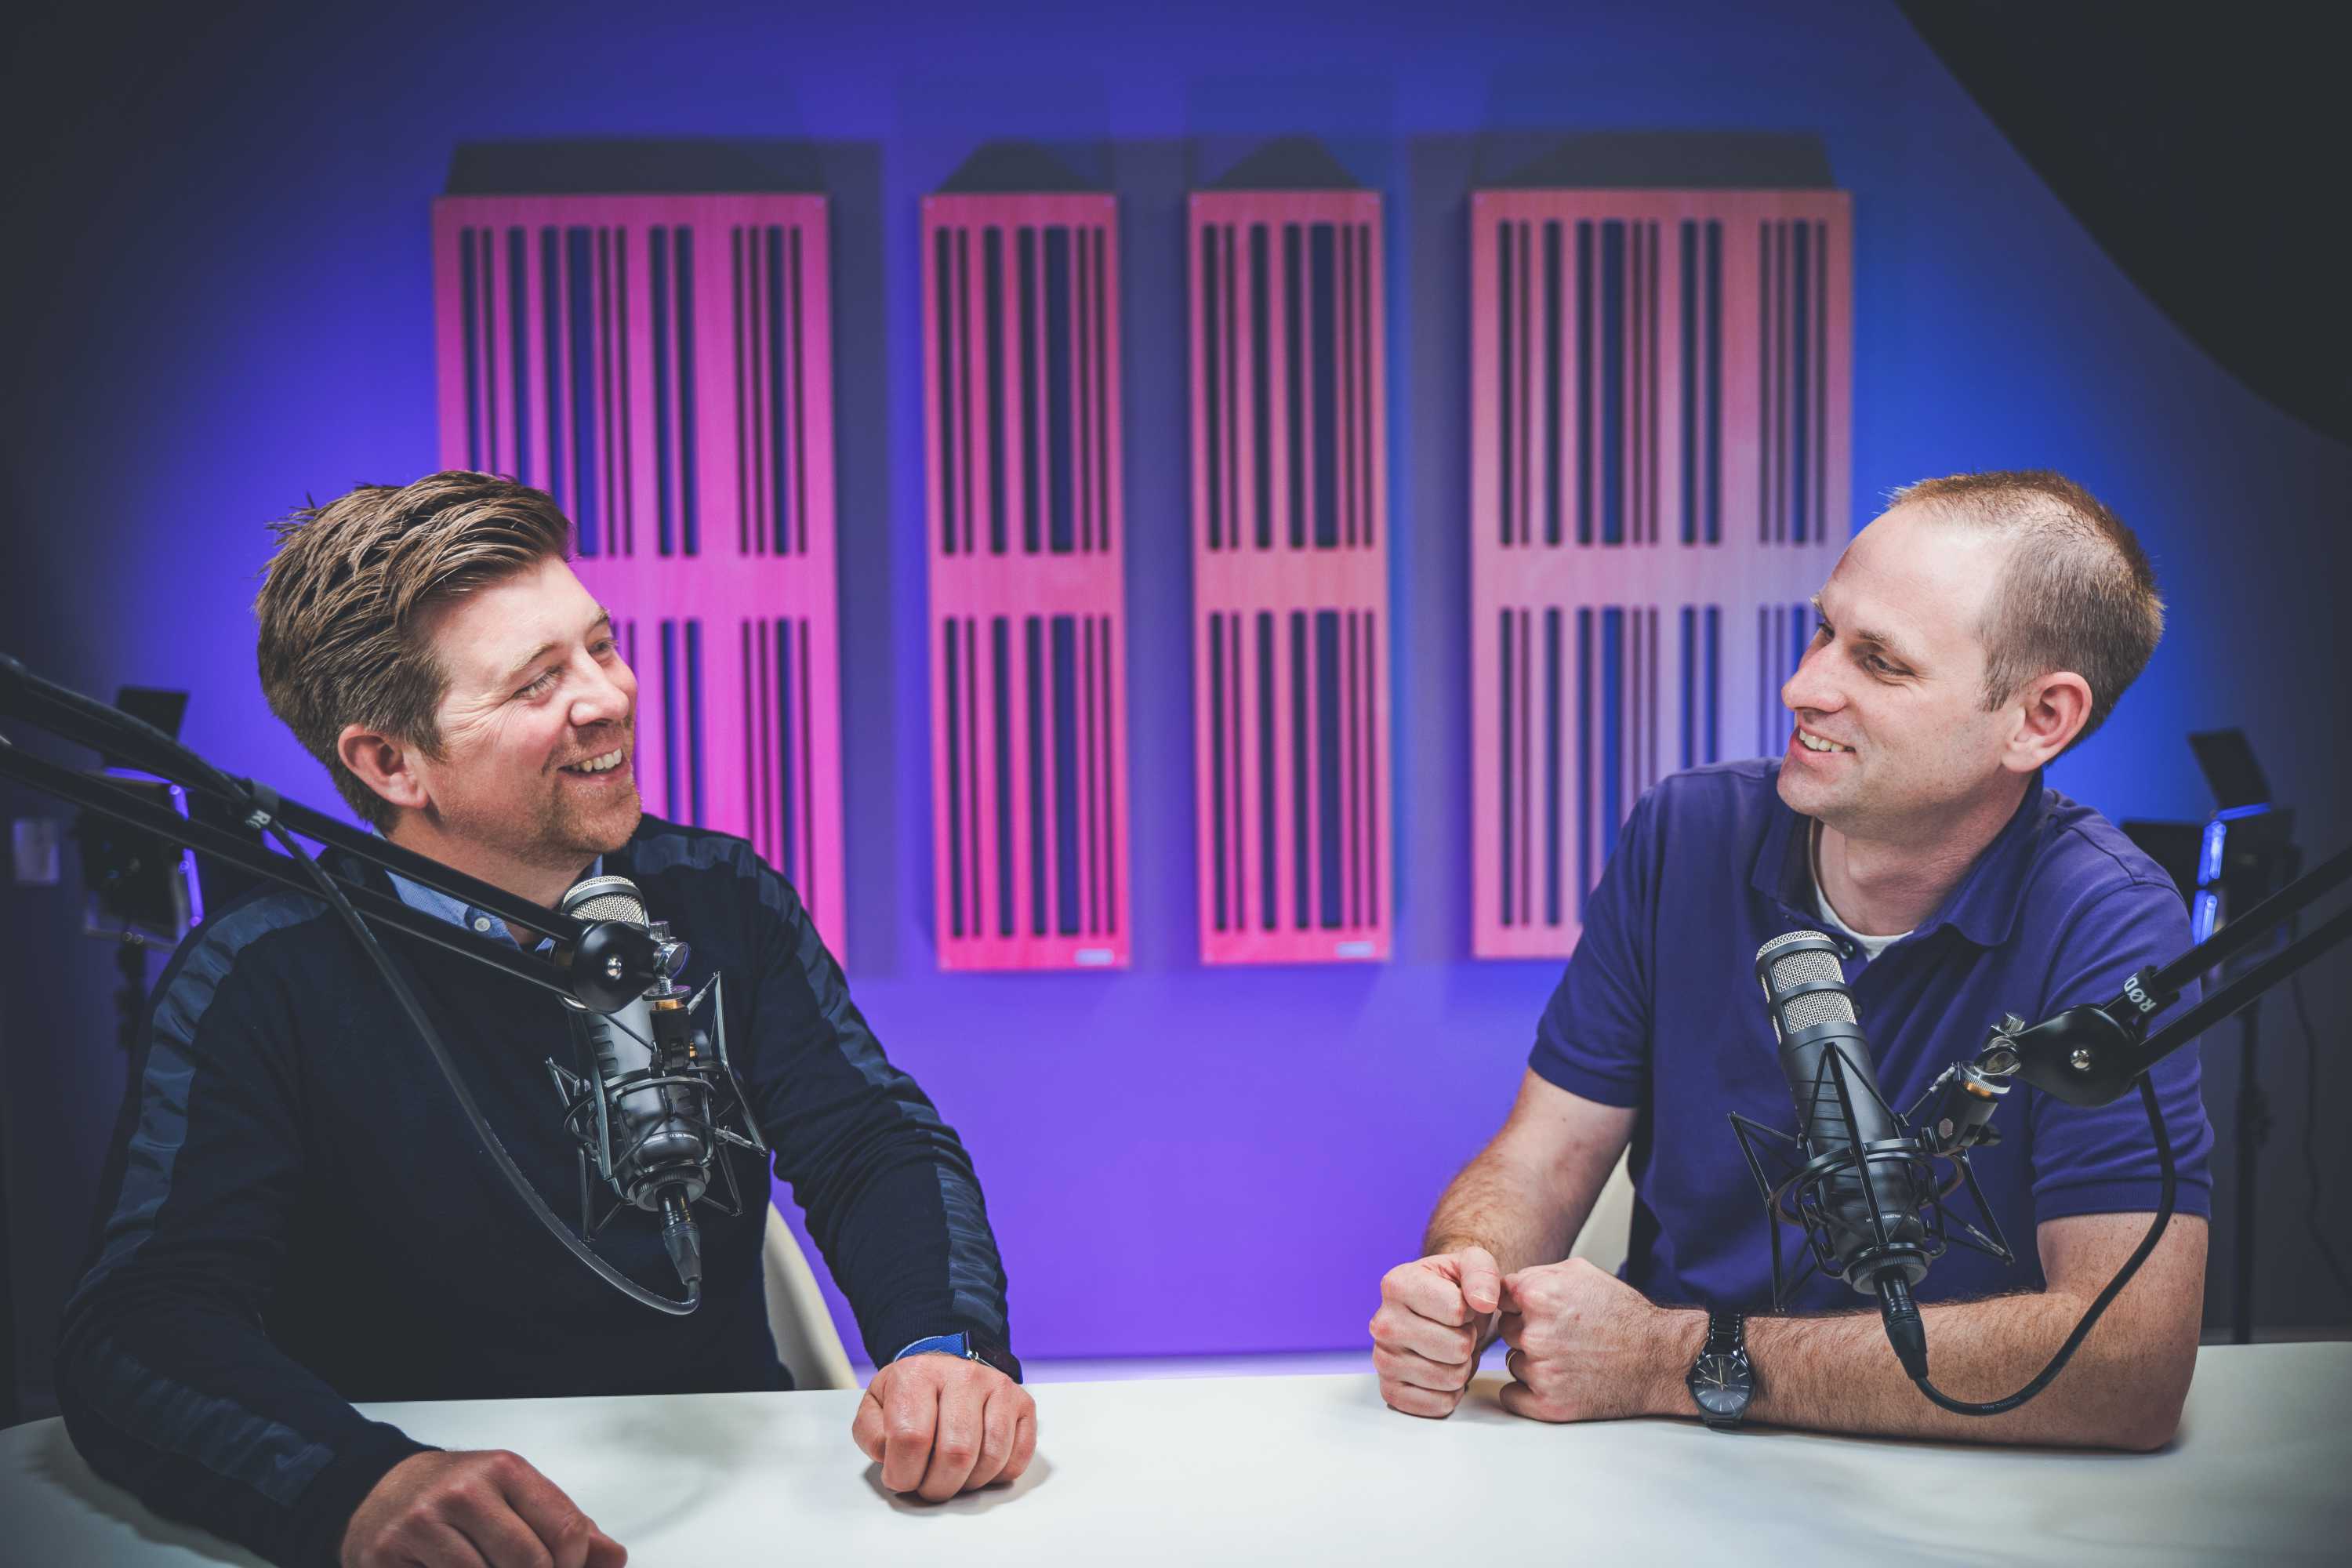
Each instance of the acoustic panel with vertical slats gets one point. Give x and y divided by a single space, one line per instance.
663 367
1028 624
1660 414
1290 575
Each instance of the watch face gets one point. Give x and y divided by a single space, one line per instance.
1722 1383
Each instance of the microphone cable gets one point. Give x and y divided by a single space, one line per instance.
260 805
2042 1380
482 1128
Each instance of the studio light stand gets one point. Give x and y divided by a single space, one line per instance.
2240 854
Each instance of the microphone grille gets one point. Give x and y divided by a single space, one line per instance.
606 899
1775 945
1806 966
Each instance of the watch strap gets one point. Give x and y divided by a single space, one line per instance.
968 1347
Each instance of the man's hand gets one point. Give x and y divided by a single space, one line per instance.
1586 1346
462 1510
940 1424
1434 1316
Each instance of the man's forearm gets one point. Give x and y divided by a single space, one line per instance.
1530 1190
1506 1208
2121 1390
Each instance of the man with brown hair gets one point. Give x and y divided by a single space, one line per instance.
1976 630
300 1216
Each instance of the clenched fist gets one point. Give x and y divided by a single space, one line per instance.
939 1425
461 1510
1435 1316
1586 1346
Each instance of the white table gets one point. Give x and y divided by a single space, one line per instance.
1291 1469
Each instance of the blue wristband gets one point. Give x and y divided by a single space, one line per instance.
966 1347
939 1344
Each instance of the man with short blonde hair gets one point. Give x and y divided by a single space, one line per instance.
1976 631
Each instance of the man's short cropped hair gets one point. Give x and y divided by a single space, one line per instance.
2077 593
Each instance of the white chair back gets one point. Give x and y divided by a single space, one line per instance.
806 1341
1609 1228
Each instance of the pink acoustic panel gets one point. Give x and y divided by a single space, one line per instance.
1027 624
663 366
1659 409
1290 575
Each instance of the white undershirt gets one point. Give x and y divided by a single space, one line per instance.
1872 946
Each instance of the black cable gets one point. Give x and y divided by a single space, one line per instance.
482 1129
2311 1139
2041 1379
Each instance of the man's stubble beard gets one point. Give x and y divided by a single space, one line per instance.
567 831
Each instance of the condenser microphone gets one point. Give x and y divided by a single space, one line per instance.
654 1120
1869 1203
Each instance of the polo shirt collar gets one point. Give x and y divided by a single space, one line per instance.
1982 908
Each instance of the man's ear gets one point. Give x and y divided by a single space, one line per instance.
385 763
2051 711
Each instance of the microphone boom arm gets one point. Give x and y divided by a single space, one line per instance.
602 964
610 963
2090 1054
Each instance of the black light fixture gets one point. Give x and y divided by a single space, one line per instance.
2230 862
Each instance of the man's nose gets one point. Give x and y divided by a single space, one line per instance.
1811 685
603 696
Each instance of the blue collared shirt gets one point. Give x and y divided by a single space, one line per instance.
1659 1009
417 896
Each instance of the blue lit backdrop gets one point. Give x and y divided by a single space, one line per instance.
221 303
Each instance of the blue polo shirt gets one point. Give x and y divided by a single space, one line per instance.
1659 1010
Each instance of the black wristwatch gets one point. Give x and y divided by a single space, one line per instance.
1722 1380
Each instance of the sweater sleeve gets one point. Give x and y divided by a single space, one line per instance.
889 1192
167 1379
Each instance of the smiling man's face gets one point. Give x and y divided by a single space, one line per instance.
1893 682
537 724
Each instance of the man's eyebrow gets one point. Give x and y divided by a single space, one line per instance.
514 670
603 621
1886 640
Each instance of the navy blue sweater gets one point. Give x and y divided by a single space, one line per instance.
299 1215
